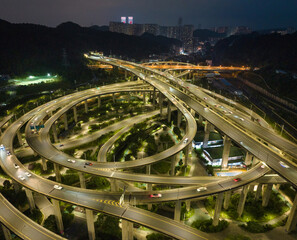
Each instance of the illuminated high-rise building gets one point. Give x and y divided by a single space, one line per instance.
123 19
130 20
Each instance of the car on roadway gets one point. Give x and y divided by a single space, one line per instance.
237 179
28 174
156 195
58 187
16 166
186 140
89 164
71 160
241 119
201 189
283 164
21 177
8 153
61 145
2 147
205 98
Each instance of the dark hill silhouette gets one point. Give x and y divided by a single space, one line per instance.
35 48
269 50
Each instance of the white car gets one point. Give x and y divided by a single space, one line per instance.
201 189
186 140
283 164
241 119
71 160
21 177
58 187
28 174
16 166
2 147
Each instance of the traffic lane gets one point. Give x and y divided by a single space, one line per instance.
164 225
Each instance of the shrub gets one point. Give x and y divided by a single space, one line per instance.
206 225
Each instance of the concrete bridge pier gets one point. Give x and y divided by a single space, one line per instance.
248 158
226 151
113 98
179 116
99 101
154 98
75 114
65 121
188 205
218 208
30 198
177 210
44 164
82 179
90 224
200 120
292 218
127 230
266 195
242 199
58 215
86 106
149 186
57 172
169 111
161 103
6 232
172 171
259 191
207 129
227 199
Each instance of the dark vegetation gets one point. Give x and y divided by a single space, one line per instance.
255 50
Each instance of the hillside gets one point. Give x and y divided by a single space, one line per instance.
270 50
27 48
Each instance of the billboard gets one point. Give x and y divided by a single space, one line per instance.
130 20
123 19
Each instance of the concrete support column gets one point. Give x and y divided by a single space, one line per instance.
259 191
292 218
86 106
127 230
149 186
44 164
186 152
114 185
99 101
161 103
172 171
207 129
65 121
266 195
75 114
82 179
169 112
226 151
188 205
242 199
154 98
57 172
177 210
6 233
54 129
19 136
248 158
200 119
144 95
126 74
218 208
227 199
192 112
179 116
113 97
58 215
90 224
30 198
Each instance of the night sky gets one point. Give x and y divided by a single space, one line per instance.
257 14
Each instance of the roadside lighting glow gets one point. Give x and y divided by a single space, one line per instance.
48 74
31 77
